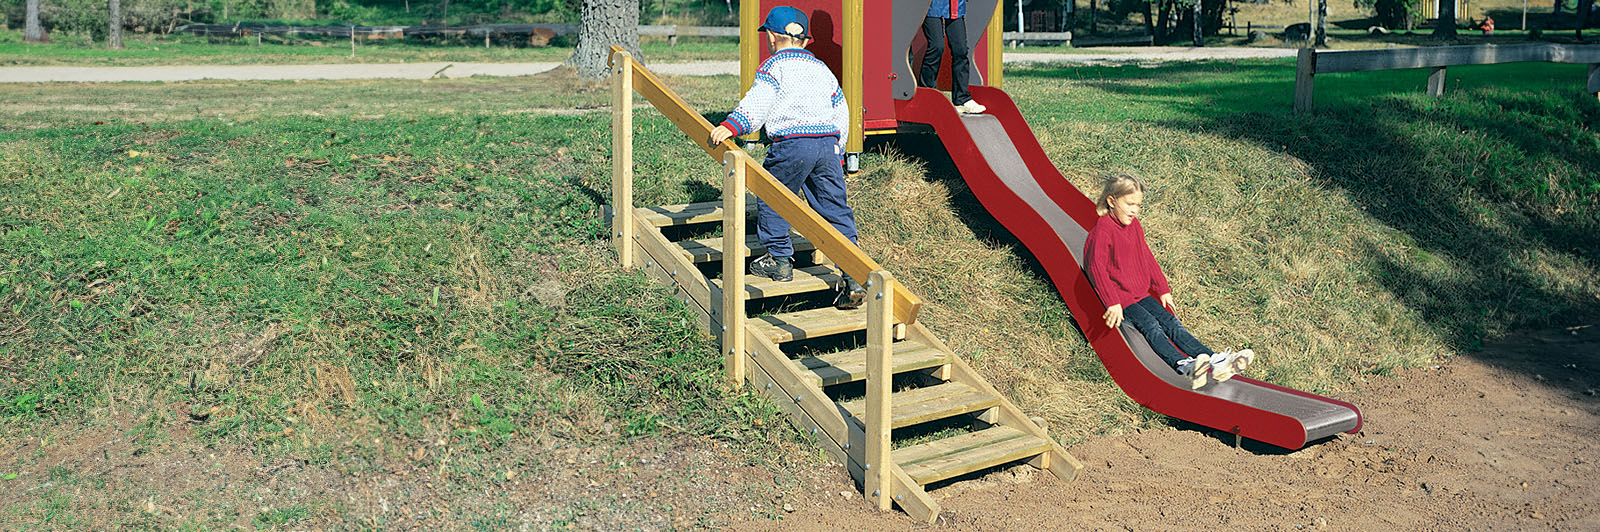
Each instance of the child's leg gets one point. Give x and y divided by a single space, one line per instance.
790 168
1186 342
933 30
1147 324
960 61
825 186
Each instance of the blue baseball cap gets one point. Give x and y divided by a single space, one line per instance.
783 19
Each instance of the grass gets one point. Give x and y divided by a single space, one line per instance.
148 50
366 275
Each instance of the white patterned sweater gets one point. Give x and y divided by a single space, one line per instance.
794 95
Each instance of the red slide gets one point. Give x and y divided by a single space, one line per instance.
1015 181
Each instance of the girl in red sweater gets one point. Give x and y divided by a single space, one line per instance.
1132 286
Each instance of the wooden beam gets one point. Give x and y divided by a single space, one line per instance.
749 47
622 155
1594 79
807 222
880 339
1437 56
996 49
1436 78
854 53
733 295
1305 70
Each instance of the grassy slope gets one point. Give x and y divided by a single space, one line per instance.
324 263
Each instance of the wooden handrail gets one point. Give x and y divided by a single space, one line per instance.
844 253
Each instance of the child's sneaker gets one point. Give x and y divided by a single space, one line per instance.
776 268
1242 359
851 294
971 107
1195 369
1222 367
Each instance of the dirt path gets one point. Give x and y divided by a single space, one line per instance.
461 70
1506 439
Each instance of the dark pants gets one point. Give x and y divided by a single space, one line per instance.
1162 330
810 166
936 30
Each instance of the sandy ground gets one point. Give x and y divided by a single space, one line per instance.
1505 439
461 70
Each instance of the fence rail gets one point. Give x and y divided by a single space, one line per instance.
1436 58
242 29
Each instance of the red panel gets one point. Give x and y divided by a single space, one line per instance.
933 108
827 30
877 93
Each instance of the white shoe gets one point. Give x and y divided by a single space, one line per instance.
1196 370
1222 365
971 107
1242 359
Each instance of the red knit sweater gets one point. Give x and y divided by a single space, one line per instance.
1121 265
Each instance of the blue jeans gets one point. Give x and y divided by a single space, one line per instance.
809 166
1162 330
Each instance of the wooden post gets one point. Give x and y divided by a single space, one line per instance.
622 156
352 41
1436 77
996 51
854 55
1594 79
880 336
749 48
1305 69
733 296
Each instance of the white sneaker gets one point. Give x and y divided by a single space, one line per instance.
1242 359
1195 369
1222 365
971 107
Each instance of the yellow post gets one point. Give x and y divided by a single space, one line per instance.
733 296
749 47
622 156
854 46
995 47
880 337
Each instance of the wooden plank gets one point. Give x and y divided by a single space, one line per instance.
1305 71
880 381
906 456
814 323
1436 79
929 403
808 279
829 418
1061 463
1437 56
963 462
710 249
805 221
854 45
658 270
1594 79
733 315
690 213
622 155
851 366
912 499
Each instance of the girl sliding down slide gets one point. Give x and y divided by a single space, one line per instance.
1131 284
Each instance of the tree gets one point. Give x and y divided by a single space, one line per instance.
114 24
1445 27
603 23
34 31
1322 24
1198 27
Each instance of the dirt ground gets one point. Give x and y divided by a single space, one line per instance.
1505 439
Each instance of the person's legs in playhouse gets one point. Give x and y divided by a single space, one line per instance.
933 31
955 30
1195 368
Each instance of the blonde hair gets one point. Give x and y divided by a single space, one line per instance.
1116 186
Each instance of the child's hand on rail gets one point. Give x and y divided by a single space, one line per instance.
720 134
1166 302
1113 316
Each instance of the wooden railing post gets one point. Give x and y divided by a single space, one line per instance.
622 156
880 336
733 296
1594 79
1436 77
1305 70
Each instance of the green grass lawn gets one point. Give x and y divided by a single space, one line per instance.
142 50
329 272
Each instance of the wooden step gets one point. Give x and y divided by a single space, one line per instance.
689 213
808 279
851 366
814 323
929 403
950 457
710 249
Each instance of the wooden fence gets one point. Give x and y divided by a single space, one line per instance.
1436 58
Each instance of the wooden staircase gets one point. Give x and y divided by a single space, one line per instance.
878 391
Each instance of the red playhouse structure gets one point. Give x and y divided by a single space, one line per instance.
1008 171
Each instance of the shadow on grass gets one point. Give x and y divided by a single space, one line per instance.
1505 166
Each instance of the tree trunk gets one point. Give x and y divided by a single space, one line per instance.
114 24
1149 26
1445 27
1559 5
1322 23
1162 16
1198 25
604 23
1094 12
34 31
